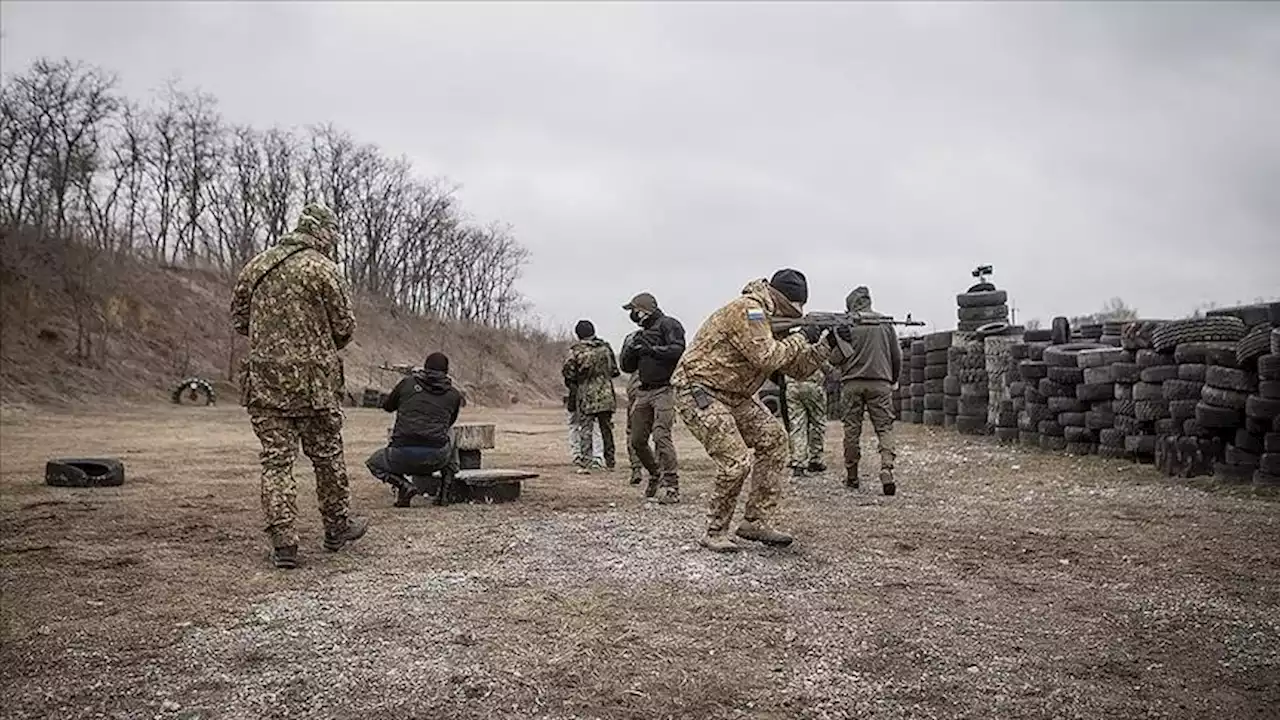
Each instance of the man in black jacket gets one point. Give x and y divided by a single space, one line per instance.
426 406
652 354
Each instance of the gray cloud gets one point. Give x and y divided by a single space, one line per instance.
1086 150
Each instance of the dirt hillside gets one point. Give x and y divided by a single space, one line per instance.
75 329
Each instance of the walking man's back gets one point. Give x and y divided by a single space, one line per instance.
869 360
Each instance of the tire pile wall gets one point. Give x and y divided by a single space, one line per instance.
917 363
936 346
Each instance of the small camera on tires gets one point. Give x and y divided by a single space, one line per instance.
982 270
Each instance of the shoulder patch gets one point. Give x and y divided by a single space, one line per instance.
755 315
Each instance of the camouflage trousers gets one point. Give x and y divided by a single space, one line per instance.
807 415
575 443
587 424
875 398
321 438
731 435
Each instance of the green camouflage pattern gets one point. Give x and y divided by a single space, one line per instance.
297 320
590 369
734 351
321 438
807 412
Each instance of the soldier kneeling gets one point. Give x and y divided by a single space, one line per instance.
426 406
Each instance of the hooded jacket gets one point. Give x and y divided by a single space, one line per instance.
873 352
295 307
426 405
662 336
588 373
734 351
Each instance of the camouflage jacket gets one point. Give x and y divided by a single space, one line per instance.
734 351
297 319
588 372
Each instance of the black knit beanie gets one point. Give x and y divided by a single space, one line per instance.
584 329
792 284
436 361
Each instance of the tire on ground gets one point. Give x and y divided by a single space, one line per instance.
84 472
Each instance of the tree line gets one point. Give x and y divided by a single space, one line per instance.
170 180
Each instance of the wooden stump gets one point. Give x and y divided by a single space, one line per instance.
471 439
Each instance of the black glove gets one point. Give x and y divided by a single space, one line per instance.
812 333
845 332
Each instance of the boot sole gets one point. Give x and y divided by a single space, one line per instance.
770 543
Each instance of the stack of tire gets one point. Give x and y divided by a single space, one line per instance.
935 374
971 372
902 395
1150 408
981 305
917 362
1065 429
1111 330
1268 400
1096 390
1035 406
1090 332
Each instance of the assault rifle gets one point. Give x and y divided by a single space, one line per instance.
402 368
831 322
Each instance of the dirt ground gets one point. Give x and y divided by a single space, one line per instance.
997 583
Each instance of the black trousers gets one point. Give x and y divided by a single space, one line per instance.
391 465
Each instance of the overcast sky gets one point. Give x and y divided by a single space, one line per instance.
1085 150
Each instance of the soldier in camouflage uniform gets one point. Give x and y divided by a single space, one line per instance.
807 415
716 381
588 373
295 307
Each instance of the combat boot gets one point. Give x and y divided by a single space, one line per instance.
285 558
817 466
851 481
355 529
636 478
886 482
761 532
651 489
797 471
404 495
670 495
718 542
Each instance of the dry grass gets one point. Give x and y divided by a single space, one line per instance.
998 583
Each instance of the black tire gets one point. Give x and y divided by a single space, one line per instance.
1101 357
1028 438
1035 351
1037 336
917 347
1192 371
1205 329
1182 409
911 416
84 472
1099 376
1255 344
1148 391
1050 428
1032 396
1065 355
981 287
936 357
986 313
1050 389
916 375
985 298
937 341
951 385
951 404
1037 413
1167 426
934 387
1066 375
1086 392
1079 449
1261 408
971 424
1230 379
1263 480
1271 442
972 406
1248 442
1225 472
1151 410
1150 358
1217 397
917 390
1269 367
1099 420
1180 389
1275 338
1079 434
1102 406
1126 372
1114 453
1237 456
1060 332
933 418
1017 388
1191 428
979 390
1068 419
1053 443
1033 370
1123 391
1128 424
1269 389
1007 435
1207 353
193 391
935 372
1159 374
993 329
933 401
1111 437
1140 444
1250 315
1209 416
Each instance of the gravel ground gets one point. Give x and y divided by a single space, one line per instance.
999 582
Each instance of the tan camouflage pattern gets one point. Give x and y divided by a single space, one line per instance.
730 433
874 398
591 366
734 351
807 413
321 438
298 319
